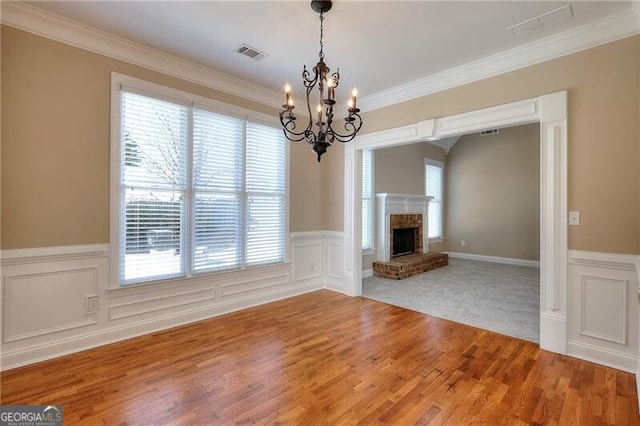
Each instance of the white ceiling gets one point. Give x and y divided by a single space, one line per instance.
378 45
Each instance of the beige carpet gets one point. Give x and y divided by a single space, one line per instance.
491 296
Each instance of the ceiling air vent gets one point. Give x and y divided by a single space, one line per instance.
251 52
489 132
560 14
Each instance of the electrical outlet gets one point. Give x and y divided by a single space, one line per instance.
92 303
463 243
574 218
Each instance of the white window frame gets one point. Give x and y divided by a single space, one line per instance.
434 163
371 248
120 82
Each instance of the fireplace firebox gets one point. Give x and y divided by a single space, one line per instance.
404 241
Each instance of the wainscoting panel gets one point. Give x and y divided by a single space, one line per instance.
334 262
307 260
604 309
57 300
54 300
603 320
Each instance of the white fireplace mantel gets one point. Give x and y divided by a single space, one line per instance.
388 204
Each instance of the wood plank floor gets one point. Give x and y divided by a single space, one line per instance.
325 359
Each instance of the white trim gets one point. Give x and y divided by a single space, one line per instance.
637 372
602 356
627 262
315 234
133 311
46 24
50 254
597 33
551 112
515 113
495 259
620 311
40 352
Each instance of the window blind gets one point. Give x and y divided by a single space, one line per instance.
217 191
199 191
433 186
367 200
265 183
153 182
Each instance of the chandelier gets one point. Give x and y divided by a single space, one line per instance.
320 133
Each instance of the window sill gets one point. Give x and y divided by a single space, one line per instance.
367 252
174 283
436 240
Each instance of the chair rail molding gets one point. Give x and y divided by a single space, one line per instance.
57 300
551 112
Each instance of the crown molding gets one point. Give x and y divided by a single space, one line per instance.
591 35
42 23
37 21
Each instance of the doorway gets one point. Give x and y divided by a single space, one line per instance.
548 110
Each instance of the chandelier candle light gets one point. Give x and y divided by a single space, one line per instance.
320 133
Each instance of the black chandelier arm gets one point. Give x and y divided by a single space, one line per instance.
351 126
336 78
306 80
289 125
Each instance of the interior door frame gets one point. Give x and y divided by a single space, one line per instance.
551 112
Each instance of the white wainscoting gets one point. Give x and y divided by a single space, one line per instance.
603 309
46 294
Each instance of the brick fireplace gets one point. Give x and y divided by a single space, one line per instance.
400 211
401 241
401 228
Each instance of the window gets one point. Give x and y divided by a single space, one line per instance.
434 179
367 200
199 189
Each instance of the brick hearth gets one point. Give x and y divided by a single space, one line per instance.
411 264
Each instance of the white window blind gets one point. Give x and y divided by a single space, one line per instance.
153 188
199 191
433 187
217 191
367 200
265 195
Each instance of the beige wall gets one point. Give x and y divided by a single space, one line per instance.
492 196
55 144
603 84
55 141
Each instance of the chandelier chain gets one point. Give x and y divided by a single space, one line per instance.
321 35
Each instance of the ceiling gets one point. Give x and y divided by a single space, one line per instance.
378 45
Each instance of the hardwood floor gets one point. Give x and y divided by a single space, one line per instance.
325 359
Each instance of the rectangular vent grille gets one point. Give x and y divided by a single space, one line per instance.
560 14
489 132
251 52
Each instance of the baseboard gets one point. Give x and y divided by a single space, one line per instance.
602 356
553 333
495 259
638 389
367 273
49 350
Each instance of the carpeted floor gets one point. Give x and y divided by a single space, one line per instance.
492 296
